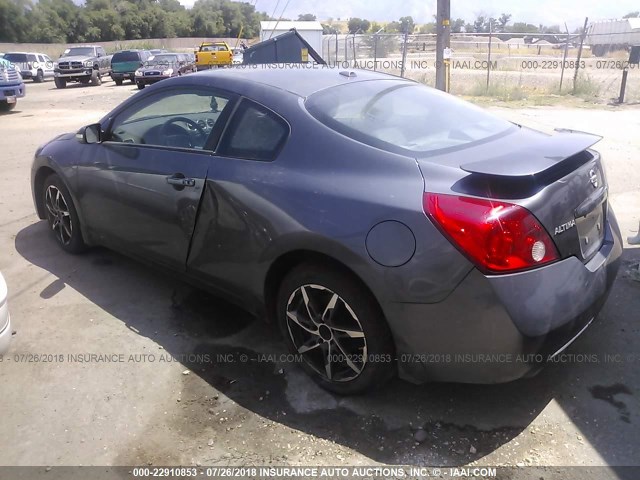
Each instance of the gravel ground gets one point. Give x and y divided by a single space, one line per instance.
185 378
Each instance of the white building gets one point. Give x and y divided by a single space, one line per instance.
310 31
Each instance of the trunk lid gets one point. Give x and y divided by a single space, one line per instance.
556 177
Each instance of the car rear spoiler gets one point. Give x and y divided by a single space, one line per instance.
537 156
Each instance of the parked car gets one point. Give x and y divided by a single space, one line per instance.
125 63
82 64
5 319
163 66
238 56
383 225
33 65
11 85
213 54
157 51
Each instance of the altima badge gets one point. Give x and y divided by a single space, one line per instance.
564 227
593 178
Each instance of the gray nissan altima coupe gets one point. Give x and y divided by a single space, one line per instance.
384 226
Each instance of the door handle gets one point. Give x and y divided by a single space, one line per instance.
181 181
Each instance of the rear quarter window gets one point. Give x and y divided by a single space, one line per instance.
255 133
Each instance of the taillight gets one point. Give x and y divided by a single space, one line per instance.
498 237
196 58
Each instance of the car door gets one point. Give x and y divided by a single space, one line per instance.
47 69
237 218
140 188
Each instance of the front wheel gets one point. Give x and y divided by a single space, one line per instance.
95 79
39 78
336 329
60 82
6 106
62 216
118 81
140 85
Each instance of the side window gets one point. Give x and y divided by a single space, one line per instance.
32 58
178 118
41 58
101 52
255 133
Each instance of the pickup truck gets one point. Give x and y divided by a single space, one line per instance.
11 86
82 64
213 54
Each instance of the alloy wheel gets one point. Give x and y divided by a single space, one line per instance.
326 332
59 214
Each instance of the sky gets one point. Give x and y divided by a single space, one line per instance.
547 12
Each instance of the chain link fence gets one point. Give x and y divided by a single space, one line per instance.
503 66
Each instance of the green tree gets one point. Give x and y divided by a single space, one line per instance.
521 27
632 15
456 26
307 17
358 24
407 25
503 21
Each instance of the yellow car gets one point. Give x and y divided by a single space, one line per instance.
213 54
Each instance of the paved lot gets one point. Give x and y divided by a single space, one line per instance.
172 385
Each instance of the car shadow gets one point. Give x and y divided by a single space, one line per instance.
431 424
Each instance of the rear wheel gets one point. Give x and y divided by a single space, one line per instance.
60 82
62 216
118 81
336 329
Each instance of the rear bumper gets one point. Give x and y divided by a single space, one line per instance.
17 90
494 329
123 75
5 336
5 320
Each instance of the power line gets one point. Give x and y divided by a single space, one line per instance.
280 18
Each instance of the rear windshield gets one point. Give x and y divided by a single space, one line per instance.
126 57
403 117
17 57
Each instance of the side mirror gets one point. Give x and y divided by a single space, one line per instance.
90 134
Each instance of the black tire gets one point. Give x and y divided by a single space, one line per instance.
95 79
85 81
60 82
371 356
6 106
118 81
59 207
140 85
39 78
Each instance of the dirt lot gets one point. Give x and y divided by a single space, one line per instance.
186 378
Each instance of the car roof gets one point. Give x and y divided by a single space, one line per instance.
300 79
24 53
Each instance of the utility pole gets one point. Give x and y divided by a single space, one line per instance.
443 45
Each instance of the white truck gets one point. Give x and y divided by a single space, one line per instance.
609 35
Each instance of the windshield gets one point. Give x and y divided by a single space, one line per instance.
161 60
404 117
78 51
